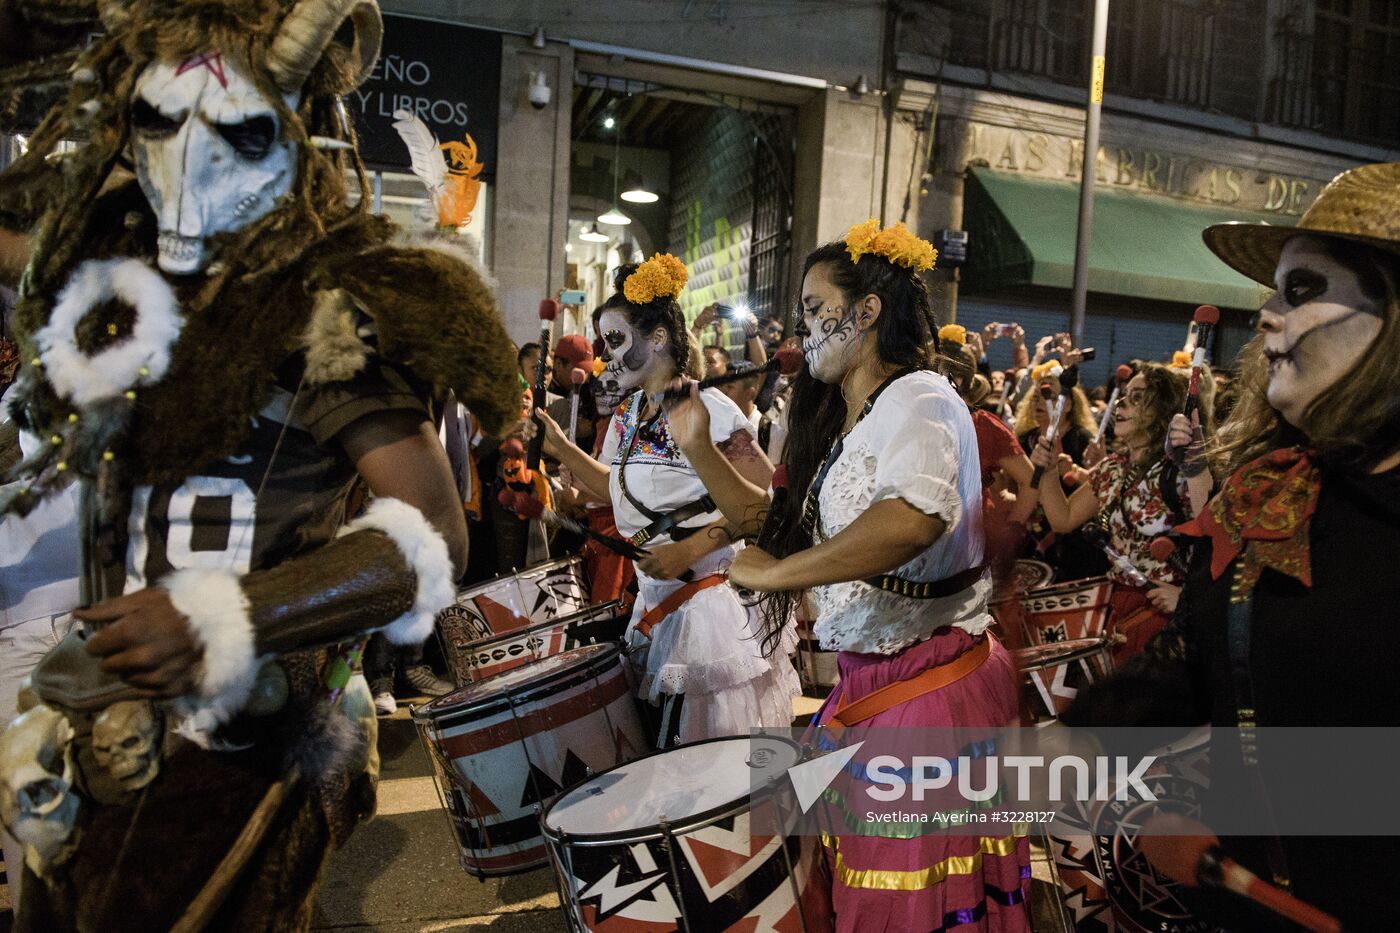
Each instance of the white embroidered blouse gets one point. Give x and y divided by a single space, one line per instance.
916 444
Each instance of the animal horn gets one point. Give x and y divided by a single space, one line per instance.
309 28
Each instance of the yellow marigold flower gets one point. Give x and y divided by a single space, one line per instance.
953 333
1047 369
1181 359
661 276
859 237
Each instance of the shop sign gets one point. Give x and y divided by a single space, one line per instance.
448 75
1139 168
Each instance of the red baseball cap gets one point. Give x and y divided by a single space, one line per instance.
576 350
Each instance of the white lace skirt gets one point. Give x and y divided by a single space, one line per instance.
709 650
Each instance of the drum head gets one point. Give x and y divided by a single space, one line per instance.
681 786
517 681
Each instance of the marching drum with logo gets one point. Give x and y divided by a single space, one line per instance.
508 603
503 746
678 841
1106 883
491 656
1066 611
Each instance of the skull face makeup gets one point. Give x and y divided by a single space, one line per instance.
209 154
37 802
630 357
827 326
1316 327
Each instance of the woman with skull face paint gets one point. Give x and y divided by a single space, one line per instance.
696 656
882 527
1287 615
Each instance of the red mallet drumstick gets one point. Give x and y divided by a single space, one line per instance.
1207 316
786 361
1164 549
549 310
1189 853
527 507
578 377
1121 375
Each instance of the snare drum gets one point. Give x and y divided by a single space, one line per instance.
1067 611
505 745
508 603
1105 883
668 842
1055 672
492 656
1029 575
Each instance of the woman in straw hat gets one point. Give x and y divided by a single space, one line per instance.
1287 616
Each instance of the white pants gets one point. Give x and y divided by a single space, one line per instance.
21 647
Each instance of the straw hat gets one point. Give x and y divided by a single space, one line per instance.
1361 205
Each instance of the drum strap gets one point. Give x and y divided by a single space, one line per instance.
661 523
903 691
654 616
1239 620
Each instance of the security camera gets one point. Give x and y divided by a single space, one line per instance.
539 91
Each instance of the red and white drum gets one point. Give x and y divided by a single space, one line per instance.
1106 885
1066 611
1055 672
1029 574
596 624
505 745
508 603
677 841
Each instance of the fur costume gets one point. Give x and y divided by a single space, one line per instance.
178 392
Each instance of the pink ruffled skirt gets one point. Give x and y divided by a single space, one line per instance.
931 882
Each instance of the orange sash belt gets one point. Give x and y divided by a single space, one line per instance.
902 691
679 598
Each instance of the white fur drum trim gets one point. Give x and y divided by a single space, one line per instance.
105 375
218 614
426 553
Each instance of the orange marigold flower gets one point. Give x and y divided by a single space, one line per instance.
661 276
1181 359
896 244
953 333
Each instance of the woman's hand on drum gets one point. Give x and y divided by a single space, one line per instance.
555 440
754 569
668 561
688 419
1164 596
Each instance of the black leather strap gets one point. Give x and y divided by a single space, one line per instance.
661 522
934 589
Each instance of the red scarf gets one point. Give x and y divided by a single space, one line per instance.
1262 514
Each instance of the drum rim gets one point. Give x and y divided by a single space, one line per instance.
513 634
1082 584
1100 645
654 831
485 585
447 717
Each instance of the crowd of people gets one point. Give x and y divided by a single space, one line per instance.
248 457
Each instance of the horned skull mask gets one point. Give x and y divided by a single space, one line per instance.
209 154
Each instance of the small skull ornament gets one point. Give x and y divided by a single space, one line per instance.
126 743
37 802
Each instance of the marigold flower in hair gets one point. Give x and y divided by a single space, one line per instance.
661 276
953 333
1181 359
896 244
1048 369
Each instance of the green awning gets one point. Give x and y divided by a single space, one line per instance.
1021 232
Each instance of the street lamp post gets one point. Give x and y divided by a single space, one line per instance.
1088 174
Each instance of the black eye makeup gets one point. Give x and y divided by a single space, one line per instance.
615 338
1301 286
